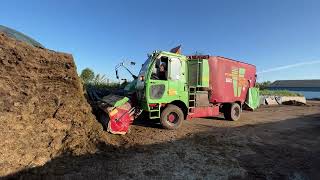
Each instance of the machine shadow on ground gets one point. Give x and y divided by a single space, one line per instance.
145 122
246 152
155 123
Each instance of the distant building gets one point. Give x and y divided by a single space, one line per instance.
310 88
296 85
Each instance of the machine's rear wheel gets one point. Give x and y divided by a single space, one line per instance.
171 117
232 112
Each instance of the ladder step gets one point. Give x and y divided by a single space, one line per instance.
192 99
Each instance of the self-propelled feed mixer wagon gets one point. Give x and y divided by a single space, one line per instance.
173 88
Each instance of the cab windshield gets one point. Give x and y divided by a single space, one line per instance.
144 68
143 74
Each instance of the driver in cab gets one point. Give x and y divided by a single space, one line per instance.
162 74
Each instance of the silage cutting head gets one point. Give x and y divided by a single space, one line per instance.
120 114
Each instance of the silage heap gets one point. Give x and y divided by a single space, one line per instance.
43 111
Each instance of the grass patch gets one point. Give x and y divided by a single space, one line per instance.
266 92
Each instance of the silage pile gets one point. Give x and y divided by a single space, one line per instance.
43 111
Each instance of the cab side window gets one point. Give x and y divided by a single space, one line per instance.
160 70
175 69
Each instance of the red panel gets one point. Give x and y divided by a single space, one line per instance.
225 77
204 112
120 122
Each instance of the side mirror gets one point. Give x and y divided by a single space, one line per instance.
117 76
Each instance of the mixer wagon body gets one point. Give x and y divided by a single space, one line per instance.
229 80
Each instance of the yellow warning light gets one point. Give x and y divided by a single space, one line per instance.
113 112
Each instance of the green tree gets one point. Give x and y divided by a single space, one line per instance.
100 79
263 85
87 75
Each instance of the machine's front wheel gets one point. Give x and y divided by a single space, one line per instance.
233 112
171 117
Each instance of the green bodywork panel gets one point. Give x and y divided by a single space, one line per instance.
198 73
121 102
253 98
174 88
205 73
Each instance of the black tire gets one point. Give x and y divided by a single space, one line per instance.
171 117
232 112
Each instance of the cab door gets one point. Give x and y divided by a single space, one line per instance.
157 88
175 79
172 87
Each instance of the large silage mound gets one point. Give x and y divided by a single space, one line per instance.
43 111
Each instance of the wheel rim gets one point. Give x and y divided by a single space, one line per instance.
235 112
172 117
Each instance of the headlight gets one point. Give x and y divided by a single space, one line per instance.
141 78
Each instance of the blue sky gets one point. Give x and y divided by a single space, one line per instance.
100 34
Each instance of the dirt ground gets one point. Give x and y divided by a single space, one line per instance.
281 142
